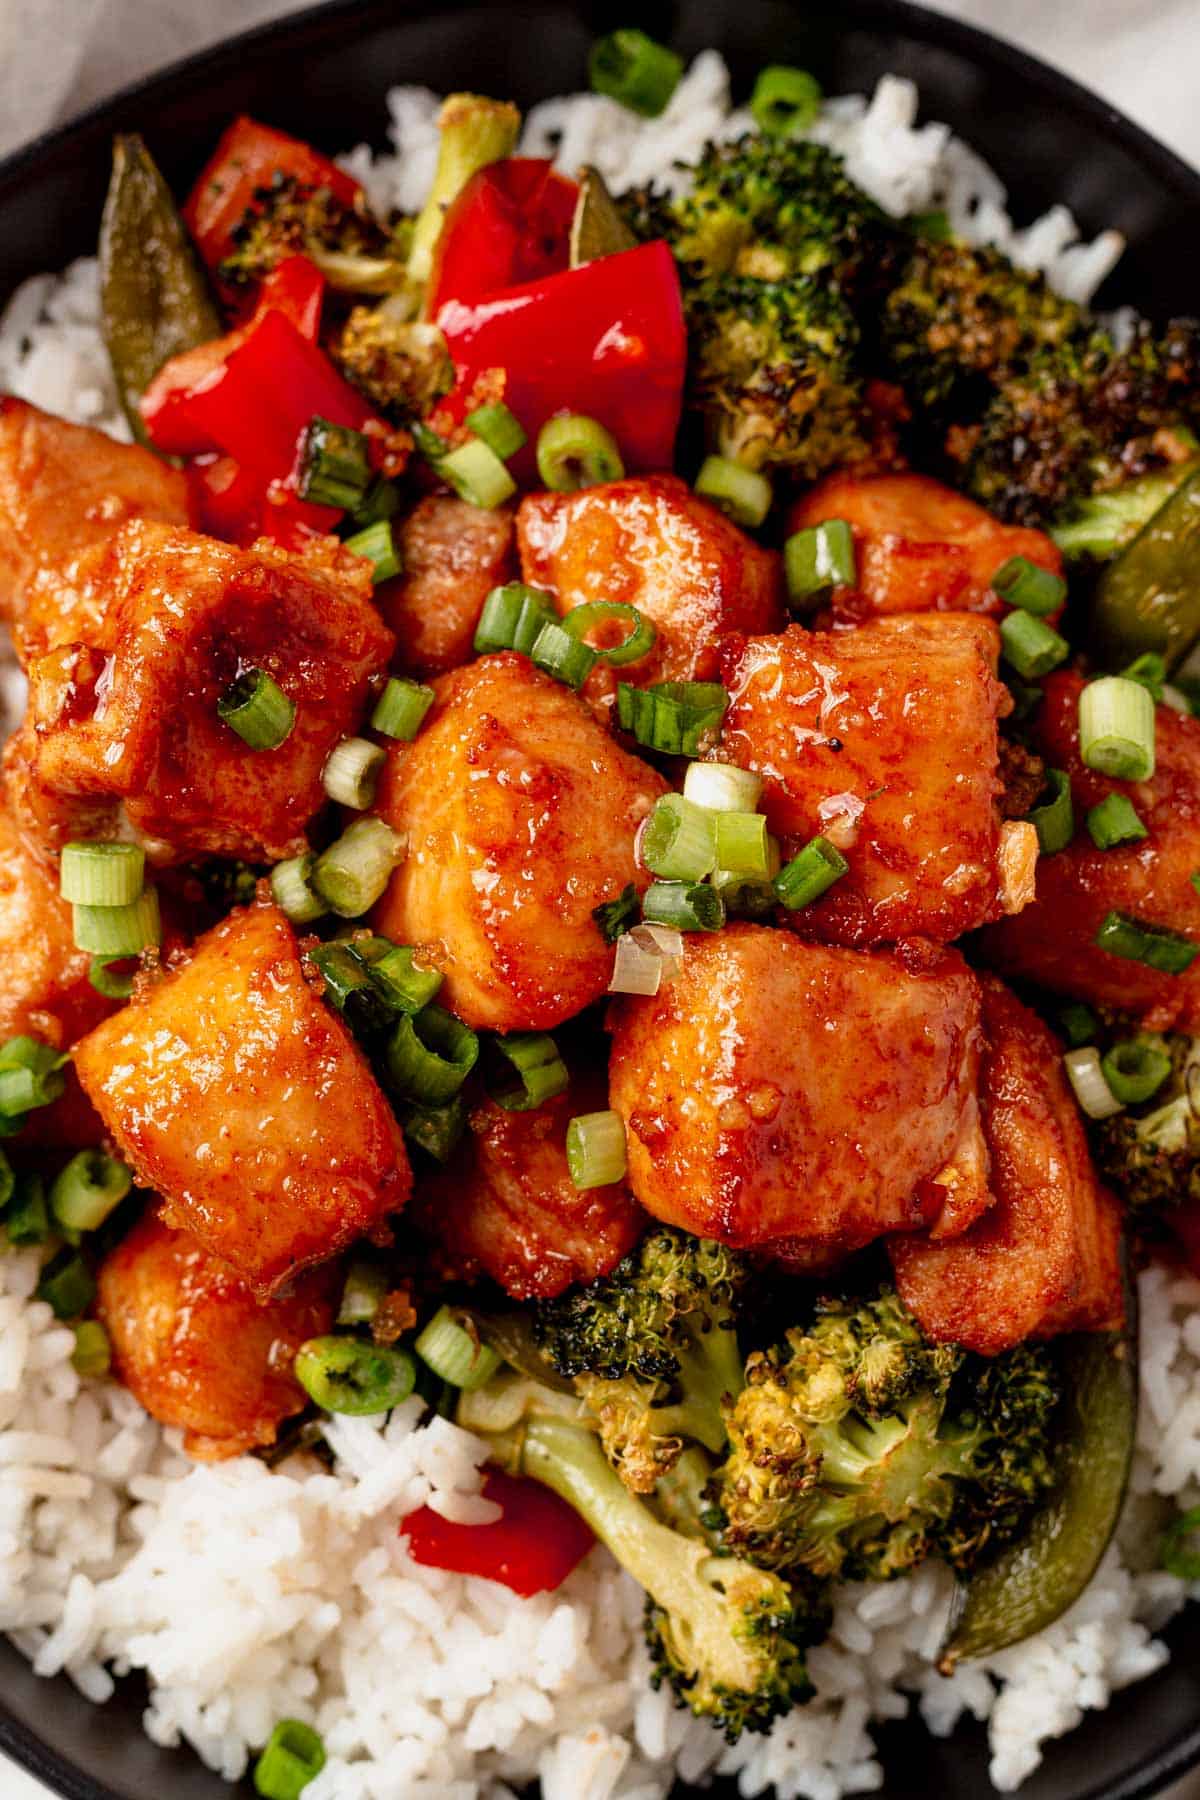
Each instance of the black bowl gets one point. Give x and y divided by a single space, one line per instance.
323 74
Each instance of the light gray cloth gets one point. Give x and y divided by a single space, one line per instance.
57 56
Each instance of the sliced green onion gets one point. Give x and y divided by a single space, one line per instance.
540 1070
1027 585
454 1353
678 841
742 494
1079 1023
477 475
499 428
92 1355
67 1285
1175 1557
560 654
615 917
1087 1079
429 442
30 1075
1031 646
362 1293
722 787
596 1152
1116 728
1054 819
351 773
429 1055
785 101
348 986
335 466
1150 671
88 1189
108 980
673 717
293 892
637 643
576 452
816 560
435 1129
352 874
27 1220
406 985
382 501
102 874
119 930
684 907
646 957
401 708
377 542
634 70
256 707
1168 951
8 1181
346 1375
1114 821
293 1757
512 618
745 847
809 873
1135 1069
744 896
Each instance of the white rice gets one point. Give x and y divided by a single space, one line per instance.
247 1595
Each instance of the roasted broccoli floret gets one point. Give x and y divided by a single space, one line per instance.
652 1350
960 320
779 254
1085 417
1151 1153
728 1636
289 217
1099 525
400 364
857 1448
474 131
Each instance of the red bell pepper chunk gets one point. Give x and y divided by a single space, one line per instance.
226 501
531 1549
607 340
510 224
248 157
294 287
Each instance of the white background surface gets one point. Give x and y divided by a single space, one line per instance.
59 55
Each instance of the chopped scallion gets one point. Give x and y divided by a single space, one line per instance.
1136 1068
810 873
293 892
816 560
672 717
636 644
745 847
353 872
256 707
348 986
377 542
87 1190
454 1352
576 452
1087 1079
1116 728
1030 587
335 466
67 1285
684 906
119 930
1030 645
405 984
346 1375
785 101
92 1355
429 1055
1079 1023
615 917
596 1151
435 1129
499 428
1150 671
560 654
30 1075
678 841
101 874
1114 821
1054 819
27 1219
1168 951
540 1070
109 980
722 787
294 1755
362 1293
634 70
742 494
477 475
401 708
512 618
351 773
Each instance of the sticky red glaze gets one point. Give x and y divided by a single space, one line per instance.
1052 941
233 1091
138 727
521 815
918 546
650 543
452 556
196 1349
885 741
64 491
781 1090
508 1206
1045 1257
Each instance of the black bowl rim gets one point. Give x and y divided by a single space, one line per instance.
1180 1754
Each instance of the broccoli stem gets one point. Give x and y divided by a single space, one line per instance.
475 131
1104 523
